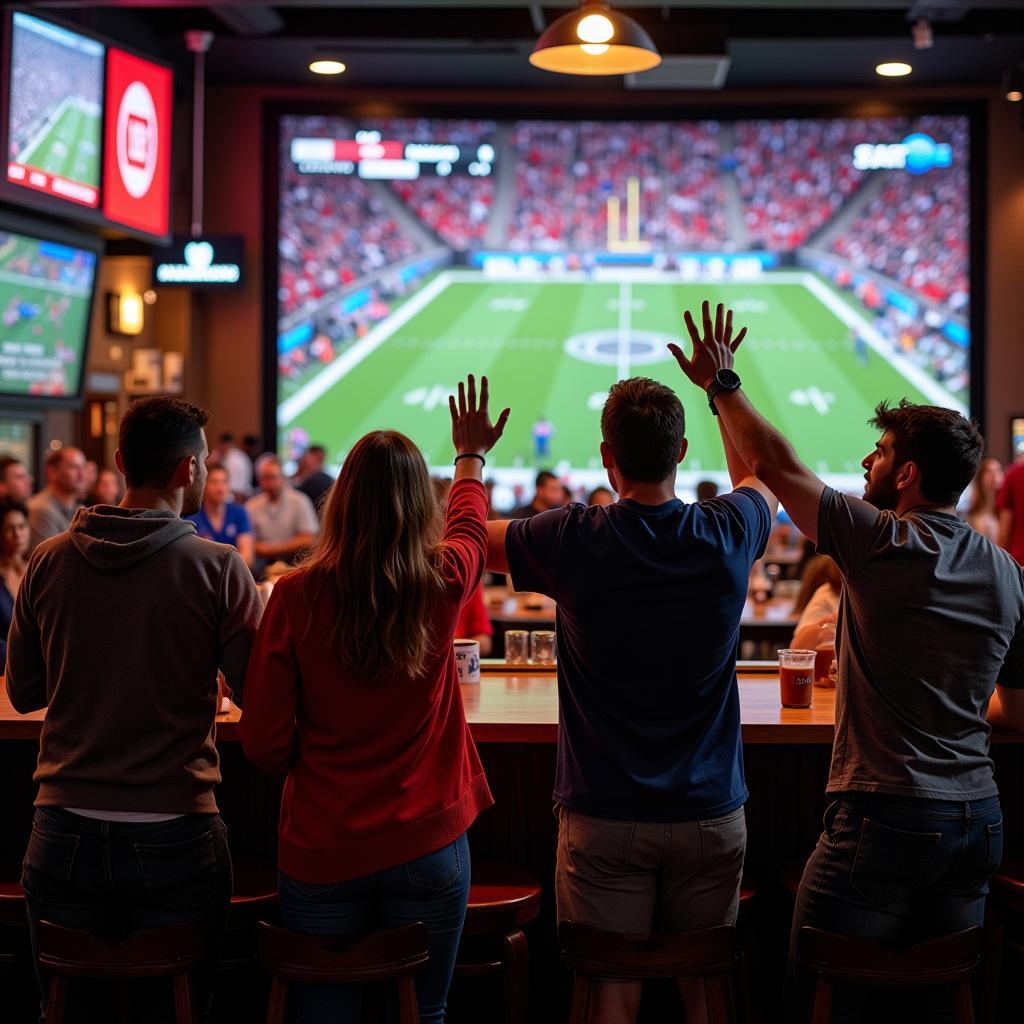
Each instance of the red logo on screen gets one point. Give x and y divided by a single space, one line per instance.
137 134
137 144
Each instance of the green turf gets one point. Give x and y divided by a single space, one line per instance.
70 147
795 344
39 336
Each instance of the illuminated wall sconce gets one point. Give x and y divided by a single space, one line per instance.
125 313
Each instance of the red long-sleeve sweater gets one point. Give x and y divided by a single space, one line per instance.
379 773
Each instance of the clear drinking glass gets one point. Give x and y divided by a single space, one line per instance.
542 647
517 646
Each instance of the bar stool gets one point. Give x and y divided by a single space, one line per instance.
502 898
948 959
156 953
393 955
12 916
253 897
594 955
1005 912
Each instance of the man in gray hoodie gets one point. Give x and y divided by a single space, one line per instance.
119 630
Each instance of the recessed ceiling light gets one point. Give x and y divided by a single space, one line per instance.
327 67
893 69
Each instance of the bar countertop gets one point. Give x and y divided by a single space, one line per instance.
519 704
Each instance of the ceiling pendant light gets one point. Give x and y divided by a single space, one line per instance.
595 40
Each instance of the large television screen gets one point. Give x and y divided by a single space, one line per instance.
46 292
87 127
557 256
55 110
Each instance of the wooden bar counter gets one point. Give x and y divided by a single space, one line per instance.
513 714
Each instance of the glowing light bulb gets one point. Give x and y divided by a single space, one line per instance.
594 49
893 69
327 67
595 28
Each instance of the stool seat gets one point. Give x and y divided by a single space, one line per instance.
1008 882
12 905
502 897
255 884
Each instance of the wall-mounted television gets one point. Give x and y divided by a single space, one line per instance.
557 253
47 286
87 127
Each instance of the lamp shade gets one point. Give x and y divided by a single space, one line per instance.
566 48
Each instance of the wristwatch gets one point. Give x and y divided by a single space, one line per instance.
724 380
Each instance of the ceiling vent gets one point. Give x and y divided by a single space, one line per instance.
704 72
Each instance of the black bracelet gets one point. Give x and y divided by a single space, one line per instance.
470 455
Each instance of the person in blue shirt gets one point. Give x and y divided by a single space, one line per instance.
14 535
220 519
649 782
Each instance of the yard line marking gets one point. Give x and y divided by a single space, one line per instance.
323 382
625 313
928 386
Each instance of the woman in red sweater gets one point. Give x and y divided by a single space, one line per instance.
352 691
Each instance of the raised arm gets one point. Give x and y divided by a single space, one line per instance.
768 454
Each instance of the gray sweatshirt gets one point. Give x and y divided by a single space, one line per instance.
119 628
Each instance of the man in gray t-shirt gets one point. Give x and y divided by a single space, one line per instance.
930 644
284 522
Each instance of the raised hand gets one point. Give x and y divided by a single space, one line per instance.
712 352
472 430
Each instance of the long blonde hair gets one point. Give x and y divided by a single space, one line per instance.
379 554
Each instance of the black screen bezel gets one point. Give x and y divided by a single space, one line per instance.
44 231
654 107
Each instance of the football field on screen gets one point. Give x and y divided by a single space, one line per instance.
69 145
553 349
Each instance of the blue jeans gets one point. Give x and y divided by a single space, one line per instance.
896 870
433 889
115 878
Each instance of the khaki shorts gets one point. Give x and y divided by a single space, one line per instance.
636 877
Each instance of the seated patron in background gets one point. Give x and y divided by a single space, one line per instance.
15 480
50 511
817 604
220 519
353 692
982 513
601 496
107 490
13 562
707 489
649 782
239 466
284 522
120 627
549 494
931 625
1010 505
311 480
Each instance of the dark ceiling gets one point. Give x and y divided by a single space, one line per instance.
462 43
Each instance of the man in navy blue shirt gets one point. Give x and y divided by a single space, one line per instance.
650 590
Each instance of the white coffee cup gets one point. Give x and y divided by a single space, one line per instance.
467 660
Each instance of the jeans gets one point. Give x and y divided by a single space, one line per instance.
896 870
116 878
433 889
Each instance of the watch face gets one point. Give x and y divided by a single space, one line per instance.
728 379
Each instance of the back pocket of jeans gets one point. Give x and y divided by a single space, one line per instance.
48 864
436 870
179 876
890 861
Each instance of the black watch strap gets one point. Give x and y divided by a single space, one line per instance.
715 388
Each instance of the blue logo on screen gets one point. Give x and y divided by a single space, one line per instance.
924 153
